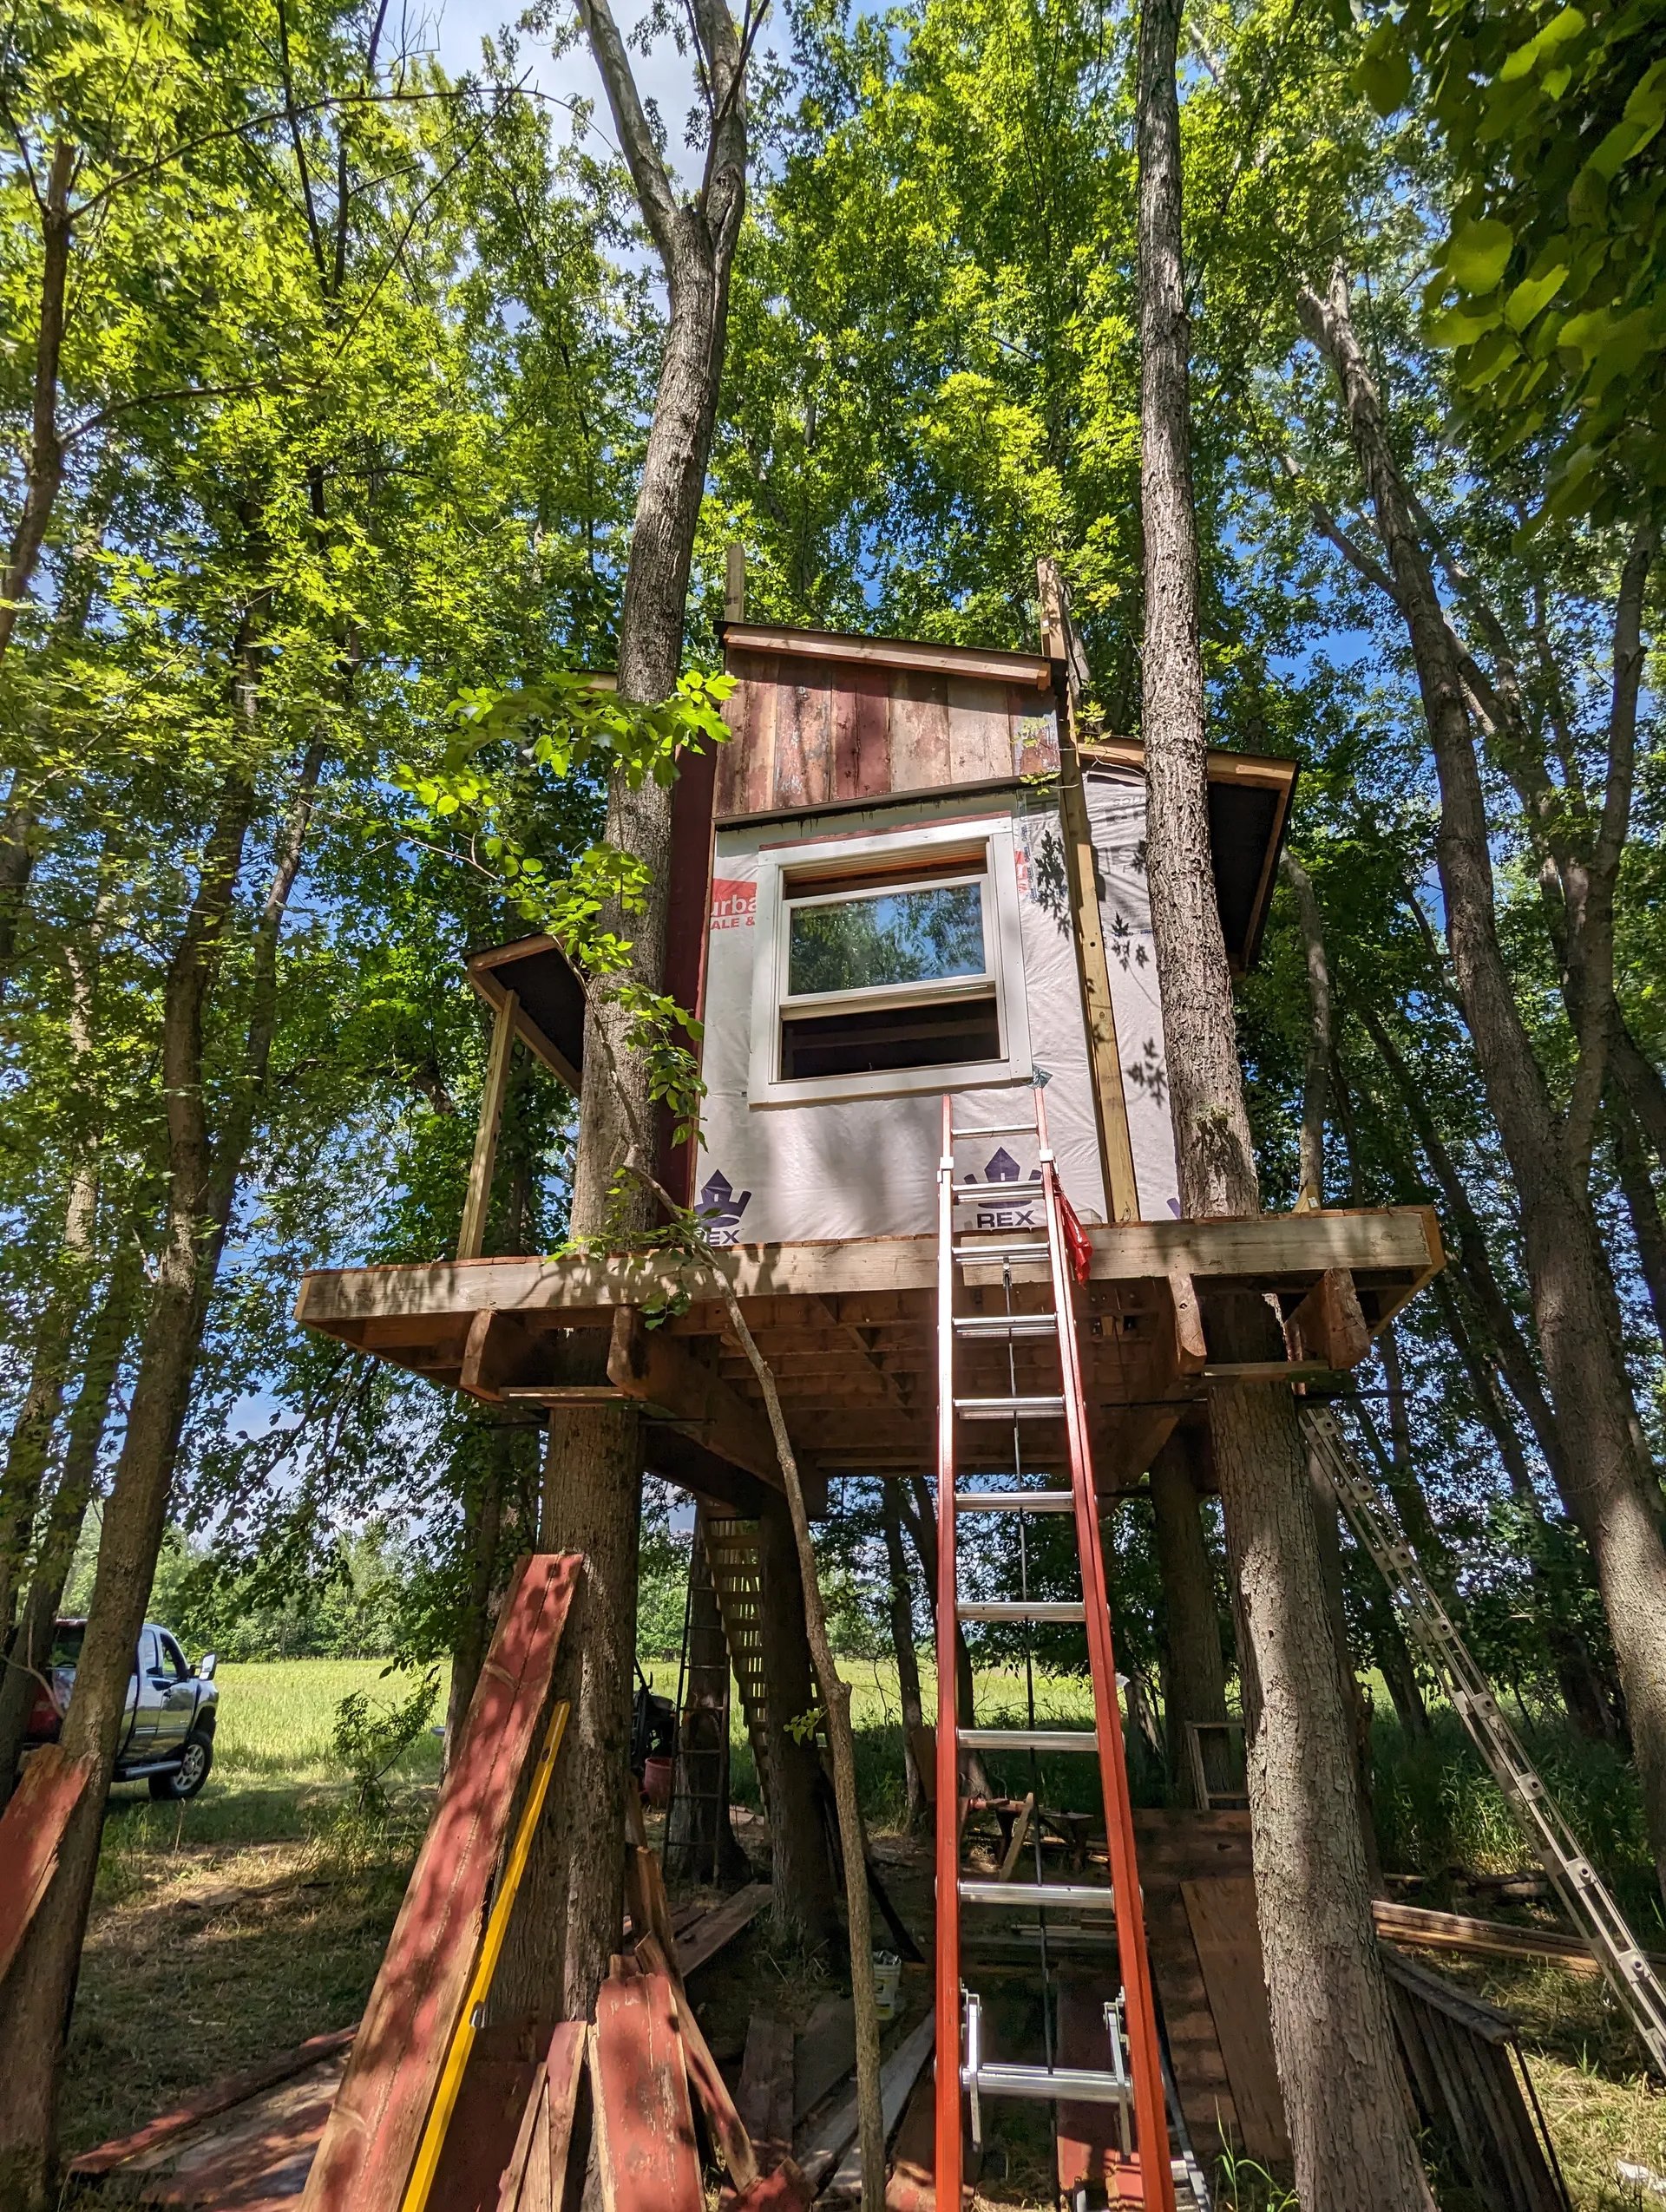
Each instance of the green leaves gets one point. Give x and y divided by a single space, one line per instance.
1477 253
1561 28
1384 68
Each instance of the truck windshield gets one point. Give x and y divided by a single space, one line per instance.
67 1641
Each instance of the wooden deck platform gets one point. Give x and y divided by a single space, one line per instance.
848 1329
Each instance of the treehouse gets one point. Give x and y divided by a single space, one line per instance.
905 874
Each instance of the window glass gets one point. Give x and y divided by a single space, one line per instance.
67 1639
891 937
173 1658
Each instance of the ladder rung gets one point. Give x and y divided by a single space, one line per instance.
1085 1896
1024 1609
1074 2085
1000 1327
1027 1739
1009 1408
994 1128
1014 1501
1024 1191
987 1255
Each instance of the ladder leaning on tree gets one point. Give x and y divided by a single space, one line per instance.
1584 1895
1133 2079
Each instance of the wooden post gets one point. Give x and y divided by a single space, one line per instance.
471 1236
1111 1106
734 584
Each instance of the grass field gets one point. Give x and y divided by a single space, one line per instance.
238 1924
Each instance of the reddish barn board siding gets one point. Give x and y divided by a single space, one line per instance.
32 1829
810 733
645 2122
366 2157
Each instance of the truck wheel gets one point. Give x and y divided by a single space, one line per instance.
196 1757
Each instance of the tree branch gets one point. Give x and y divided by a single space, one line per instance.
648 171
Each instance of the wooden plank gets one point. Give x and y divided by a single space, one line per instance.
31 1831
214 2097
804 747
896 2079
918 732
1402 1242
662 1371
566 2072
1414 1925
851 650
1190 1345
911 2185
720 1926
765 2100
478 1197
646 2152
503 2078
729 2134
1328 1326
1222 1914
824 2051
1098 1011
369 2147
1089 2140
979 735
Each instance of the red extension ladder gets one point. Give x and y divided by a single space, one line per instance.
1133 2080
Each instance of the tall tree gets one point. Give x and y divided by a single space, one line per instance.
1349 2122
567 1923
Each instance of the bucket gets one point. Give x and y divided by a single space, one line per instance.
888 1982
656 1782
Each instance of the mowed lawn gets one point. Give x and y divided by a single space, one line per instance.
237 1925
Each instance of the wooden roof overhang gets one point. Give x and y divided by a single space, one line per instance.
1250 796
849 1330
549 998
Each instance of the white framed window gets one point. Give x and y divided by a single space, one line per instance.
887 963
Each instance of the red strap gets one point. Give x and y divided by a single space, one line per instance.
1076 1239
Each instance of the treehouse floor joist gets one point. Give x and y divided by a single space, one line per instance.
849 1328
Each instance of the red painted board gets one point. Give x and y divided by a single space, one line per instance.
367 2152
644 2124
204 2103
32 1829
1089 2139
785 2190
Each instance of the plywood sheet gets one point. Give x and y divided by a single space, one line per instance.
32 1829
1222 1914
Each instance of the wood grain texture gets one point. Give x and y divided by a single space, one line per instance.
979 731
366 2157
32 1829
721 1926
918 732
645 2150
1222 1915
222 2096
764 2098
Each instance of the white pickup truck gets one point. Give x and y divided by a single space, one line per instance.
167 1736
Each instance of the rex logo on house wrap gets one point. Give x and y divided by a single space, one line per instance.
734 902
998 1212
719 1210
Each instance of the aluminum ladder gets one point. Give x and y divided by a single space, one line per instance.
1133 2080
1585 1897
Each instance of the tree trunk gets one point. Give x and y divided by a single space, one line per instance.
1327 1519
1197 1669
1349 2120
202 1179
568 1921
88 1418
908 1659
1586 1693
701 1839
804 1880
30 1440
1611 1491
1316 1075
1637 1183
44 464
